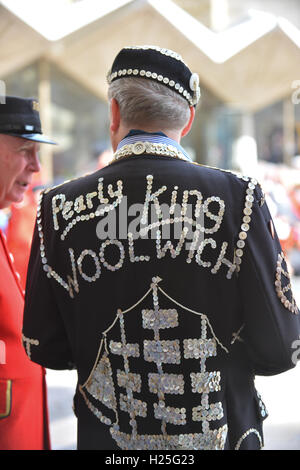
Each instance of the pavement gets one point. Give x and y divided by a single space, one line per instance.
280 394
63 423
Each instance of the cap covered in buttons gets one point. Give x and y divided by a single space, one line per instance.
162 65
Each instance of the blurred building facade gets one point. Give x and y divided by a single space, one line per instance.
246 54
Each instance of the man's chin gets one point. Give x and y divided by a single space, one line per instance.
18 196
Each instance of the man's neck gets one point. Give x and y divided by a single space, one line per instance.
124 131
172 134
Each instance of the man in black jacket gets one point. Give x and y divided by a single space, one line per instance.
169 314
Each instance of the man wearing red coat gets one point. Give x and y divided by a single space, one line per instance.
23 400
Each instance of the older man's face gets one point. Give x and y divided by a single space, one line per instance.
18 161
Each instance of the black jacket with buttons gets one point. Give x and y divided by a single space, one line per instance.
167 329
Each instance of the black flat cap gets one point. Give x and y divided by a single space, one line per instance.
155 63
20 117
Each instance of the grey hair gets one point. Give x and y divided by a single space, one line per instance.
145 102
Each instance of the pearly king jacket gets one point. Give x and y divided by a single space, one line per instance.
164 284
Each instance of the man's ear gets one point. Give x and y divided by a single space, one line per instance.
187 128
115 116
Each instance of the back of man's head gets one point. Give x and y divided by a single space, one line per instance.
144 103
153 87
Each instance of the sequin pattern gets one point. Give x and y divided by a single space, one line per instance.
28 342
212 208
283 290
149 148
245 435
167 383
103 385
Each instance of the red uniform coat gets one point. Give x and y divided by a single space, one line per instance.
23 402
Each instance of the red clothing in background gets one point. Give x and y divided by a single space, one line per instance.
23 400
19 233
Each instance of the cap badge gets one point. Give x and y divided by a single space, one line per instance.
194 81
194 86
35 106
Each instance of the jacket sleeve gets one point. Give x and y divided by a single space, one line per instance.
44 334
271 316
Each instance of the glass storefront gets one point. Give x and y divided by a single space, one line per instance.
80 125
79 120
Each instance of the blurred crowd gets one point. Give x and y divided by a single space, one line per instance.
280 183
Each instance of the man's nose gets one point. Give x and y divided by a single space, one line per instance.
34 164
